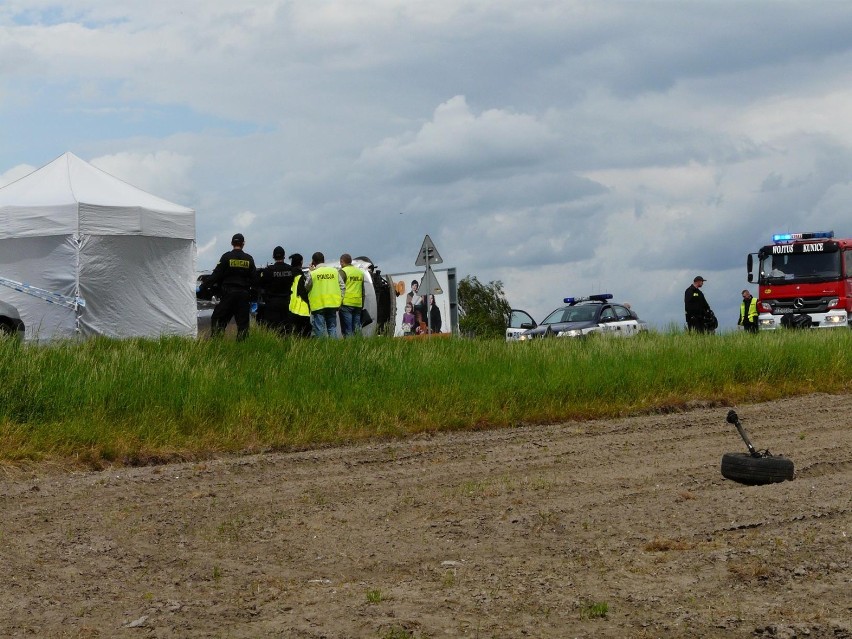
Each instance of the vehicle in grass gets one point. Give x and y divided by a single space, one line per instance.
10 321
804 281
580 317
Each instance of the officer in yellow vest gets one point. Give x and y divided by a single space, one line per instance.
300 311
325 288
748 312
353 297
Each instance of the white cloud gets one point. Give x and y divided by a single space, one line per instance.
206 250
777 119
457 143
163 173
244 219
15 173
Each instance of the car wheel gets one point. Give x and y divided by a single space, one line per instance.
745 469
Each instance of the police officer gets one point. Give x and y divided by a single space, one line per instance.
300 310
748 312
236 274
353 297
275 282
696 307
325 289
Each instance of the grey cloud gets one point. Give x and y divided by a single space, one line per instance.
773 182
457 144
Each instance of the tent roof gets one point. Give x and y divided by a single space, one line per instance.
70 180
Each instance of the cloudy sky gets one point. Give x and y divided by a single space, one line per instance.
561 147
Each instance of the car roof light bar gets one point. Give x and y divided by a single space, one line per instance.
588 298
790 237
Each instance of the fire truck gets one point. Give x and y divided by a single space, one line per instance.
805 281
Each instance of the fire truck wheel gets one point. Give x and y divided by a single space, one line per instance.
744 468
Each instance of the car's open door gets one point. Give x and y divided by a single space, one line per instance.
519 322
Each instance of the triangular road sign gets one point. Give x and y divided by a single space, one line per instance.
428 254
429 284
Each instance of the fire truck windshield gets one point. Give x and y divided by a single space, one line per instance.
801 267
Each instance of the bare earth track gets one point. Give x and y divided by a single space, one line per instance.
506 533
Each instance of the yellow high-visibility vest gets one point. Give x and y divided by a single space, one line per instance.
752 310
325 290
354 295
298 306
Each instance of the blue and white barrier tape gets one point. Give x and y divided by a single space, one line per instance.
43 294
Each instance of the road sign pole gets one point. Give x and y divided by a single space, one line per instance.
428 313
427 256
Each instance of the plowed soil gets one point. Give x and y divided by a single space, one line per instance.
616 528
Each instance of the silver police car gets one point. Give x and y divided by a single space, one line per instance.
593 314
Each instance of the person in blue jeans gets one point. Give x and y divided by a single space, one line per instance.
325 288
353 297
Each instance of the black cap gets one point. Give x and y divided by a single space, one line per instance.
238 239
278 253
699 278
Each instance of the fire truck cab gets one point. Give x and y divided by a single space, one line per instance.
805 281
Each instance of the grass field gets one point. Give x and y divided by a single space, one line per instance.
139 401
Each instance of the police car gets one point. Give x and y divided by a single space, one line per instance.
581 316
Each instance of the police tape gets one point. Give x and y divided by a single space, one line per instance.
43 294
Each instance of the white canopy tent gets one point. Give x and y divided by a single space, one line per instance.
73 229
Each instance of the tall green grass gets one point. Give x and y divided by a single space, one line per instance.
134 401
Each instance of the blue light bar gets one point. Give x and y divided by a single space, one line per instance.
790 237
589 298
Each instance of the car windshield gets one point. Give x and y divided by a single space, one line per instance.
800 266
580 313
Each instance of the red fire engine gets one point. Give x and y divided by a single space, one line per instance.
805 281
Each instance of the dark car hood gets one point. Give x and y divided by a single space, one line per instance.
539 331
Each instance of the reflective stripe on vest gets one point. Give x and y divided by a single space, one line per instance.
298 306
354 286
325 291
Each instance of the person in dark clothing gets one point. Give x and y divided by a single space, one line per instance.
300 310
434 315
275 283
236 275
384 296
696 307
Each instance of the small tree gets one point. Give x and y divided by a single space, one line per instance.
485 312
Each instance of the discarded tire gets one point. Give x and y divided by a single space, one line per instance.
744 468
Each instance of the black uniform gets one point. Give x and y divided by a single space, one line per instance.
236 274
384 295
275 283
697 309
435 318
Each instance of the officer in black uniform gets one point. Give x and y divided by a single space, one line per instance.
696 306
236 274
275 282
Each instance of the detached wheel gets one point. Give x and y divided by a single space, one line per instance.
744 468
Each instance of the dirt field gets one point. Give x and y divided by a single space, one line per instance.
620 528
